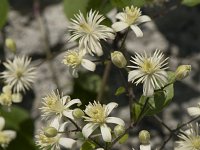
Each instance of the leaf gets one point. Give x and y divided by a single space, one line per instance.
123 139
3 12
88 145
124 3
190 3
72 7
120 91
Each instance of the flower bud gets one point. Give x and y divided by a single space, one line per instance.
182 71
118 130
118 59
17 97
11 45
144 137
78 113
50 132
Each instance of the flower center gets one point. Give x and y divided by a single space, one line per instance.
46 140
6 99
132 14
55 105
85 28
4 139
147 67
196 143
72 59
19 74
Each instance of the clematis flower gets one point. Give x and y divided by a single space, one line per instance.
131 17
89 32
150 71
190 139
19 74
55 141
97 116
6 136
194 111
74 59
55 106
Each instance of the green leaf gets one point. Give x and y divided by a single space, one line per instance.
3 12
88 145
190 3
120 91
72 7
123 139
124 3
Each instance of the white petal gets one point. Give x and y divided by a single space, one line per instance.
2 123
99 149
143 19
115 120
10 133
88 129
193 111
72 102
68 113
148 89
89 65
17 98
119 26
145 147
133 75
62 127
73 72
55 122
105 132
137 31
110 107
67 143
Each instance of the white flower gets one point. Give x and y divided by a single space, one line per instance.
55 106
194 111
6 136
19 74
150 71
53 143
90 32
97 116
131 17
144 147
74 59
189 139
7 97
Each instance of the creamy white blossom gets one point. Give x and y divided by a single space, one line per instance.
89 32
6 136
76 58
7 97
55 106
194 111
130 17
189 139
144 147
97 116
19 74
150 71
56 142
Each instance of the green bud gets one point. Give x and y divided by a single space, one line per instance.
144 137
50 131
78 113
118 130
118 59
11 45
182 71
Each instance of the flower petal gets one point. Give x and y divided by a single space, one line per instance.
119 26
68 114
88 129
2 123
115 120
148 89
137 31
142 19
133 75
10 133
145 147
55 122
72 102
105 132
110 107
67 143
193 111
89 65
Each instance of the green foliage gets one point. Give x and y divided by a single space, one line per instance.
3 12
88 145
190 2
123 139
120 91
19 120
124 3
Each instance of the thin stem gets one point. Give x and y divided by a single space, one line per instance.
123 41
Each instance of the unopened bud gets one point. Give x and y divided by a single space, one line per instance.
50 132
144 137
118 59
182 71
78 113
17 97
7 89
11 45
119 130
